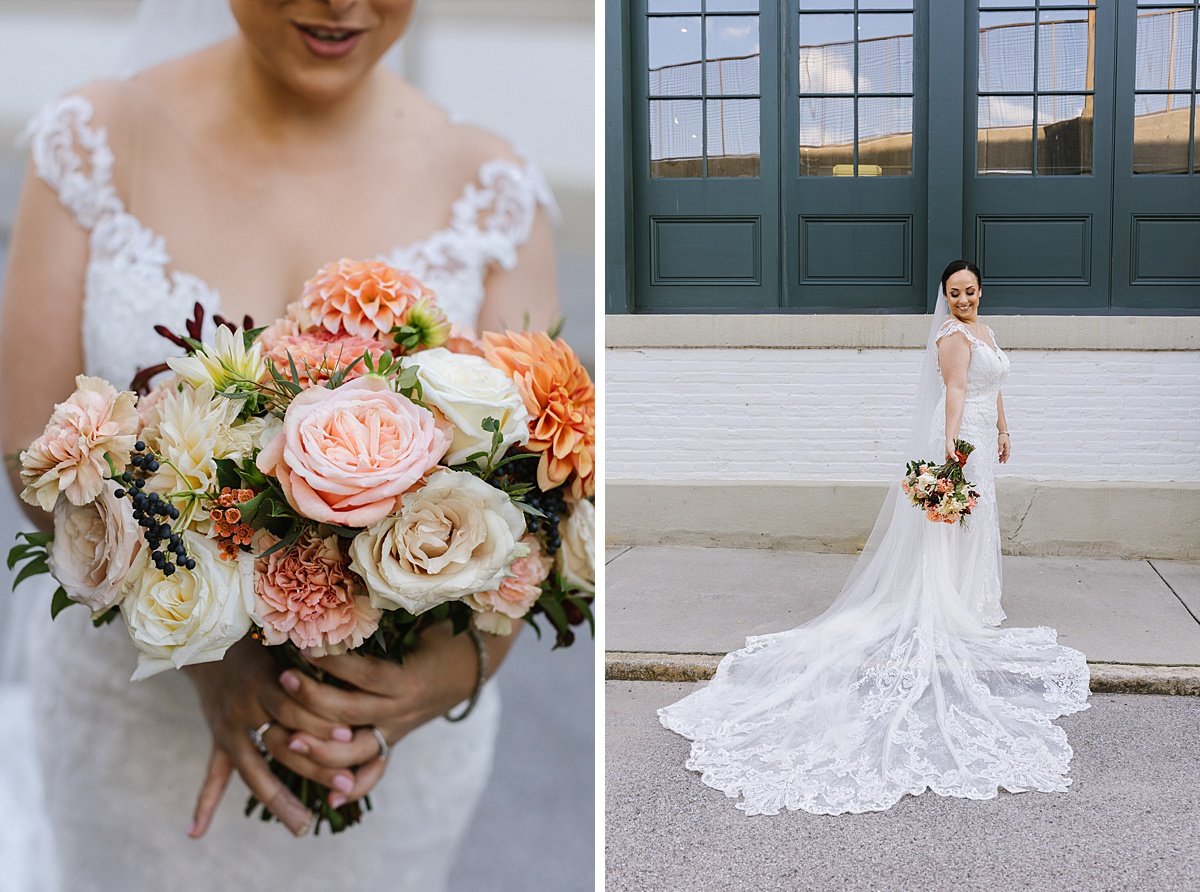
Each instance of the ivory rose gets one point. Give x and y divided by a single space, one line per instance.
68 457
453 537
306 594
97 548
466 390
191 616
517 592
577 554
345 456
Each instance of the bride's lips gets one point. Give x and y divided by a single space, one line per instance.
317 39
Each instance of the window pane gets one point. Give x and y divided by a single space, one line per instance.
885 53
732 49
1164 49
984 4
675 144
732 6
1046 3
1005 142
1196 127
826 136
732 137
1063 40
1064 135
885 4
826 4
826 54
673 6
885 137
1160 133
674 55
1005 51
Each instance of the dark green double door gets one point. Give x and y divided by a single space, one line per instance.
833 155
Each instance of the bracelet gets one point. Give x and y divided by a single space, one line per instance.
480 677
1003 432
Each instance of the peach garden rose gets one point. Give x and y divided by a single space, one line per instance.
517 593
97 547
345 456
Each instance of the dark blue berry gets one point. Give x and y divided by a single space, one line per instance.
139 446
172 512
120 493
168 569
127 477
152 466
139 483
190 563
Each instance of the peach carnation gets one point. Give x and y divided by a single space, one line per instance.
561 402
307 594
364 298
68 458
517 593
319 354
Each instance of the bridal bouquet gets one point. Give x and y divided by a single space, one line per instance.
332 483
942 492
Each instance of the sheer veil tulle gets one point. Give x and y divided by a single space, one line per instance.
898 687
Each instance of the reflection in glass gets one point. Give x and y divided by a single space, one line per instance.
1046 3
885 137
1063 44
885 53
1164 49
1005 135
673 6
826 54
826 135
1160 133
732 6
1064 135
886 4
674 56
732 49
1005 51
733 147
826 4
1196 129
676 145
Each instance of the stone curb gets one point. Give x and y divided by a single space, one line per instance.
1107 678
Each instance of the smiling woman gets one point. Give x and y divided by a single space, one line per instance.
255 158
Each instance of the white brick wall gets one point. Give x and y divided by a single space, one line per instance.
761 414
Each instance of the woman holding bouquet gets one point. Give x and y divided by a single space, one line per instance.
904 684
224 177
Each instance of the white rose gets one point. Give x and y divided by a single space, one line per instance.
191 616
453 537
467 389
577 553
96 548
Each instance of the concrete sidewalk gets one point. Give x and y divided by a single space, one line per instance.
672 612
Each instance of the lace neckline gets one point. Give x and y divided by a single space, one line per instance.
957 325
464 221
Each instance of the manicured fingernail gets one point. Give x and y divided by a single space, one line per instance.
337 800
290 682
342 783
343 734
298 746
191 831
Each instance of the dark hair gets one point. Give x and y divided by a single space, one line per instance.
958 266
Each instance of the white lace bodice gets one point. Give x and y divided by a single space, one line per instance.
986 374
129 285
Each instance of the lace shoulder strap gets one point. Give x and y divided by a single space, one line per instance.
950 326
73 158
501 205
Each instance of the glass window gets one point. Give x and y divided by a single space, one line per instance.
1165 90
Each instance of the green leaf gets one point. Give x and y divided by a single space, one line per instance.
586 609
35 567
286 542
554 612
556 328
250 335
37 538
60 602
106 617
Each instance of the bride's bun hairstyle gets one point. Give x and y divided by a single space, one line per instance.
955 266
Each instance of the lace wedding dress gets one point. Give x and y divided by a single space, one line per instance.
903 685
122 762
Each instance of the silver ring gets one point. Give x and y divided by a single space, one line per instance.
256 737
384 749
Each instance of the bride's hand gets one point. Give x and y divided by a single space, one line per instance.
394 698
951 452
1005 448
237 695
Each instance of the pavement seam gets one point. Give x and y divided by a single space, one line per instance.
1106 678
621 553
1171 589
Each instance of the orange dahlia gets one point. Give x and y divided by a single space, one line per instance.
319 354
561 402
365 298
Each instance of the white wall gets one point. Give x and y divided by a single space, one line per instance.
675 414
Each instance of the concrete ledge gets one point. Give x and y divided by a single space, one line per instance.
1107 678
880 331
1042 518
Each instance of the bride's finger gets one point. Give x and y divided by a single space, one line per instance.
332 754
268 790
287 711
364 781
220 769
276 741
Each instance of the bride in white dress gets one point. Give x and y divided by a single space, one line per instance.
227 177
904 684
